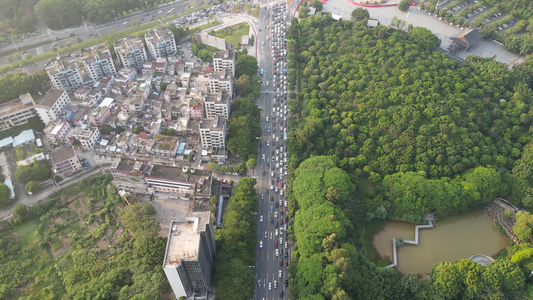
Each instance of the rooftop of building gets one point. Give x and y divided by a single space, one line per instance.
168 172
128 165
165 142
213 124
129 44
224 54
62 154
55 127
51 98
158 35
184 237
87 133
23 102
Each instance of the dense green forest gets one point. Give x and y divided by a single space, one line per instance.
381 127
82 243
236 244
15 84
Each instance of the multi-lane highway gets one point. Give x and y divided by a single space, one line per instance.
273 250
90 31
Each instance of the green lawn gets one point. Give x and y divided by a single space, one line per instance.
26 232
233 34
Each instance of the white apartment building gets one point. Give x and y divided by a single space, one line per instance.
160 42
65 161
213 133
221 81
89 137
190 255
17 112
57 131
224 60
49 109
63 77
99 63
217 105
131 52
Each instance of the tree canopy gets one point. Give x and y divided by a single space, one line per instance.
236 244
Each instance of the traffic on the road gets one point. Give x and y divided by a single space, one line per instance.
273 250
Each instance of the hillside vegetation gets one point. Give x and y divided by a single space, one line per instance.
82 243
381 127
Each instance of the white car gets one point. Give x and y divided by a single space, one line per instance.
270 286
260 244
263 156
277 232
286 245
261 218
280 273
280 233
277 252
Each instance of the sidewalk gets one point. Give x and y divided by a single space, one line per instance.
32 199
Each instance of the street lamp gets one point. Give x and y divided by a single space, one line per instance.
115 14
146 3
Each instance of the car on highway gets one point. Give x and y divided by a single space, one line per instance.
263 156
260 244
270 286
286 283
275 284
277 232
281 293
266 234
280 274
261 218
277 252
275 243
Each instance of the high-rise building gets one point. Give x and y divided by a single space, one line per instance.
190 255
53 103
98 62
131 52
160 42
64 76
217 105
224 60
213 133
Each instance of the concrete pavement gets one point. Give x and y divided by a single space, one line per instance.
421 18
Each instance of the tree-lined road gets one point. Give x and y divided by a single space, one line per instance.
271 267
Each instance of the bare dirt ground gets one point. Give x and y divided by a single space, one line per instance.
168 210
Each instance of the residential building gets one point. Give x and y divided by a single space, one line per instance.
131 52
224 60
65 77
98 62
53 103
65 161
88 137
221 81
56 131
196 109
128 175
99 116
17 112
160 42
190 254
217 105
213 133
167 179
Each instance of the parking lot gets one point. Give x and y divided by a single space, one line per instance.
420 18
